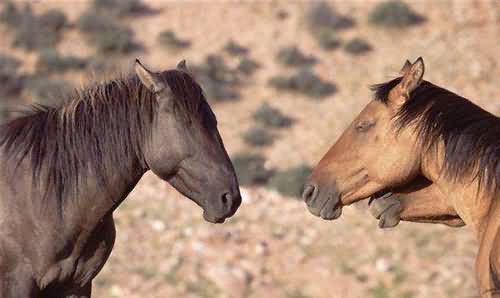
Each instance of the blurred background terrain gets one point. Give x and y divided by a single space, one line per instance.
284 79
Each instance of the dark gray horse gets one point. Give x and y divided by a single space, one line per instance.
67 168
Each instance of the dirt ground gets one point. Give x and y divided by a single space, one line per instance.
273 247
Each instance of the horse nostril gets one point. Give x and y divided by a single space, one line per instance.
226 200
310 192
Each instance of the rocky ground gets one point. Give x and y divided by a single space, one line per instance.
273 247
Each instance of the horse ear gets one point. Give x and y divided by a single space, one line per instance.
182 65
412 77
405 68
148 78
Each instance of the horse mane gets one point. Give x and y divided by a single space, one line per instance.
471 135
97 130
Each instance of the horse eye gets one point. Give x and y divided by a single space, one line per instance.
364 125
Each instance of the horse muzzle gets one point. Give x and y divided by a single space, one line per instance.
324 203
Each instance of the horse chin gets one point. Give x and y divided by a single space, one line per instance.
331 214
213 219
330 211
381 194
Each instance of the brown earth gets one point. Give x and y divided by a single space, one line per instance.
273 247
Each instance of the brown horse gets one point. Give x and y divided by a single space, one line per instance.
438 147
67 168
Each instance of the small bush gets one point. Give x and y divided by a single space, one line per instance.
38 32
305 82
357 46
116 40
50 61
53 20
218 80
33 32
290 182
259 137
8 65
31 37
250 169
91 22
121 7
108 36
292 56
327 39
12 85
169 39
271 117
320 15
10 15
394 13
234 49
47 92
247 66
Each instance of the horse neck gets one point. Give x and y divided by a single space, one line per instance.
471 200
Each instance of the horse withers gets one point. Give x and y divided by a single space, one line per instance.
435 146
67 168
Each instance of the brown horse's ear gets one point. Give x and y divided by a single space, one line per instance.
413 77
405 68
148 78
182 65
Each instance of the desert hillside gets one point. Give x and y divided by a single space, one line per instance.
284 78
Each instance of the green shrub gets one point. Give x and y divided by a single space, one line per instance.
357 46
11 83
305 82
218 80
290 182
234 49
53 20
115 40
30 37
247 66
394 13
47 92
250 169
10 14
33 32
91 22
292 56
271 117
169 39
258 136
121 7
8 65
106 34
321 15
49 60
327 39
38 32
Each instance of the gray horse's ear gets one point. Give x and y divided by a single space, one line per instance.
182 65
148 78
405 68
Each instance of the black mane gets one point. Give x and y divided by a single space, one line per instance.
97 130
471 135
